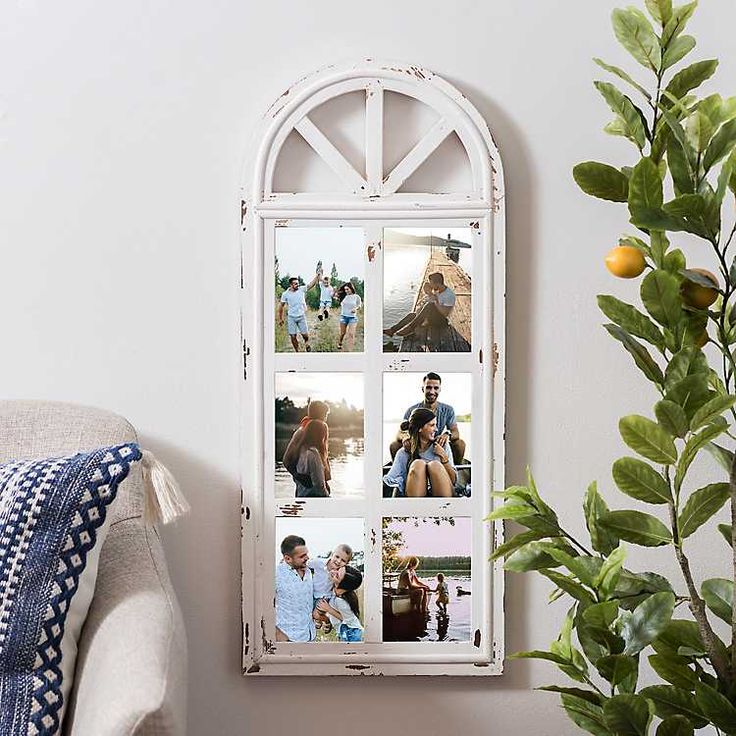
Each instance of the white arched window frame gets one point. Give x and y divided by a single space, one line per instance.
371 200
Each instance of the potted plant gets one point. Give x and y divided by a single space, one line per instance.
681 181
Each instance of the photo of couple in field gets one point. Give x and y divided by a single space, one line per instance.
319 579
319 290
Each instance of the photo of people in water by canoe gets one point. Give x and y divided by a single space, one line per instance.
319 580
427 589
319 435
427 290
427 435
319 289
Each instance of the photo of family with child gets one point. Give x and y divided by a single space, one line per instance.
427 588
318 306
427 443
319 442
318 589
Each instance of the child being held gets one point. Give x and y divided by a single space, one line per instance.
443 596
343 608
323 583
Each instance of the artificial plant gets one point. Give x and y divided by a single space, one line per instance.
681 180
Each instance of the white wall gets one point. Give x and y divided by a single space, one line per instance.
123 130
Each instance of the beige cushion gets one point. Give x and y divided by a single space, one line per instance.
131 671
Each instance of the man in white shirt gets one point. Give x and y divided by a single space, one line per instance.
435 311
296 314
294 592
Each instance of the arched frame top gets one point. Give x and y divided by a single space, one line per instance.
456 114
371 200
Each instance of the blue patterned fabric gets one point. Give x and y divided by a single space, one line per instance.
50 514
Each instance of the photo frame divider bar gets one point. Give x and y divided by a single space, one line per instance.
373 416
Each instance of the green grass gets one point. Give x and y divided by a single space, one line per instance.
323 336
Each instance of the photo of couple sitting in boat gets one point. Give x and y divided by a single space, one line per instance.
428 446
427 290
319 595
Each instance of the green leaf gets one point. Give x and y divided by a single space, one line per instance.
631 319
517 541
648 439
724 180
568 585
721 145
725 530
699 129
676 24
679 166
575 564
640 480
677 50
589 695
627 715
532 556
691 393
674 669
645 186
511 510
660 244
716 708
630 116
642 357
594 507
671 701
721 455
602 181
621 74
701 506
616 668
672 417
660 293
638 528
601 615
686 205
718 596
660 10
691 77
680 637
649 620
585 715
693 446
607 578
675 726
635 33
711 410
540 654
686 362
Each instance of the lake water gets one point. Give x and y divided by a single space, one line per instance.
455 626
403 267
346 461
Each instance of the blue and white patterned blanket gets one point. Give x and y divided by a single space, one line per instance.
50 514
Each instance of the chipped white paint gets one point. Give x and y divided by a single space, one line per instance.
372 201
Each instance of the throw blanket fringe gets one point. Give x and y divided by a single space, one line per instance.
164 499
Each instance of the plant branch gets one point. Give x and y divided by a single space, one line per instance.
697 606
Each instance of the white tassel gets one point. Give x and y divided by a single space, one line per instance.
164 499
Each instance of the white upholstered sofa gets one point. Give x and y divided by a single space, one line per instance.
130 677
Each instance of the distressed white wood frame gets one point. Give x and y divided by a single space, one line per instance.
372 203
